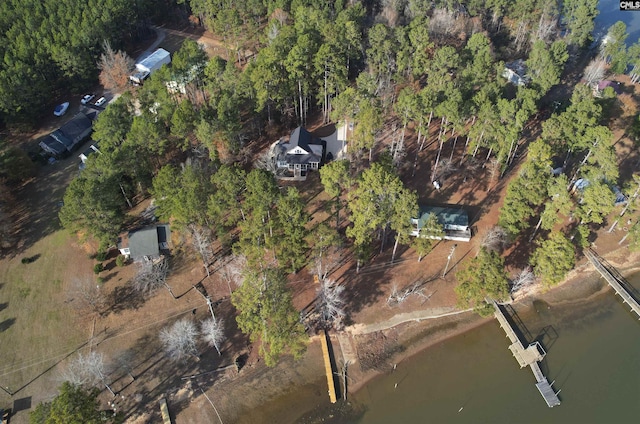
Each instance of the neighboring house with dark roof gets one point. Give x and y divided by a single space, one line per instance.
53 146
146 243
301 153
454 221
68 136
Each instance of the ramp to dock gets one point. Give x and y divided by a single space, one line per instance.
164 410
614 279
529 356
328 368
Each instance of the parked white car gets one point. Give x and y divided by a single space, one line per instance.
87 98
61 109
101 101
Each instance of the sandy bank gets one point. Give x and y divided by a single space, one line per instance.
295 391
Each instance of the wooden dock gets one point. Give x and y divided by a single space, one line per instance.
164 410
614 279
327 366
529 356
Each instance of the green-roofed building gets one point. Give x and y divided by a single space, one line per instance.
454 221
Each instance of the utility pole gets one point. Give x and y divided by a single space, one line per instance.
446 267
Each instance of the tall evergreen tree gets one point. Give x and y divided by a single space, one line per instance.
266 314
553 259
483 278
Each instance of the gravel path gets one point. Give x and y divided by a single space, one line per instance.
429 313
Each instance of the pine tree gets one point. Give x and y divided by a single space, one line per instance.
266 314
484 277
553 259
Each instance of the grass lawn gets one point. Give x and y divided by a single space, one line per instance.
37 327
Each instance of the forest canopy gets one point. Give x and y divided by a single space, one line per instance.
53 45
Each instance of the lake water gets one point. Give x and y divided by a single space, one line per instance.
593 354
610 13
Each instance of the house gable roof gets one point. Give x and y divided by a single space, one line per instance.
450 218
77 128
303 139
300 138
144 242
53 146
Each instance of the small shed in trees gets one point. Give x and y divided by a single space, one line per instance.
516 73
150 64
454 221
145 243
93 148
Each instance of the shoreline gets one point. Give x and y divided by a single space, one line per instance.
296 391
571 291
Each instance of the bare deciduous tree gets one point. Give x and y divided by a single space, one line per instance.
201 241
523 280
391 11
152 275
594 72
399 296
86 295
266 160
547 27
446 168
330 304
179 339
231 271
87 370
494 169
495 239
522 33
212 331
115 68
327 260
445 23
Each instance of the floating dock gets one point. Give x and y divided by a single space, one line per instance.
529 356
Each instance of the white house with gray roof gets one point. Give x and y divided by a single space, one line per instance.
301 153
146 243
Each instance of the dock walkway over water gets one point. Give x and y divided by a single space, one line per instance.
615 280
529 356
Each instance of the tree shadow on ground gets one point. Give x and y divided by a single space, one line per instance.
35 213
109 276
364 289
3 306
177 381
110 265
124 298
6 324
